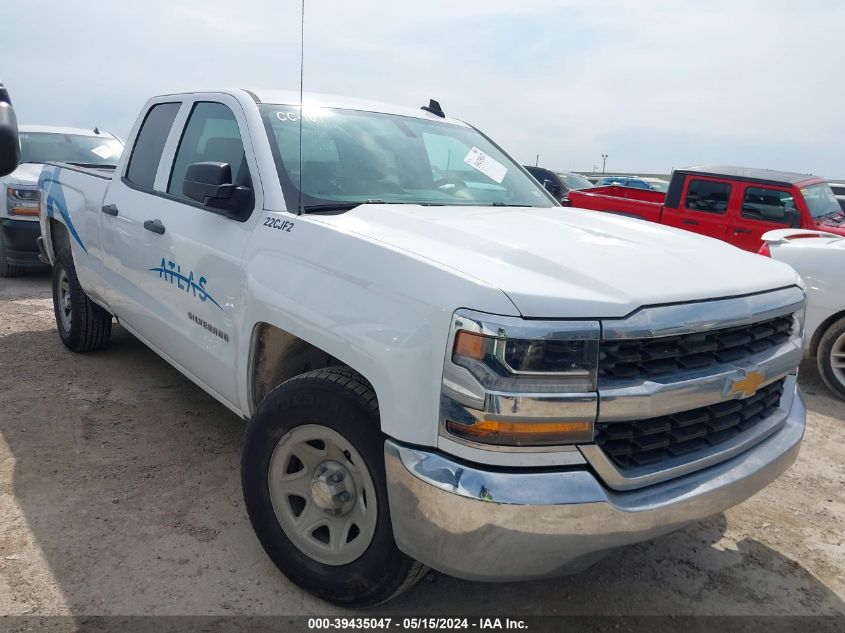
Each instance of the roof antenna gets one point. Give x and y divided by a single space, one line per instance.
301 112
434 107
96 130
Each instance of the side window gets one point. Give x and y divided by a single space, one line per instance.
768 205
146 152
211 134
708 196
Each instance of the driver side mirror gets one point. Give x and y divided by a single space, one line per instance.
210 184
10 147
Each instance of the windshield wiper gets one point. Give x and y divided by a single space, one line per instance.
836 214
339 206
505 204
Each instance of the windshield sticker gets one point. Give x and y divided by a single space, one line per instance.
104 151
487 165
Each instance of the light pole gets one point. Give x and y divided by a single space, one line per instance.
537 161
603 162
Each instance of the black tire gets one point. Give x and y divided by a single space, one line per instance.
90 325
342 400
7 269
824 357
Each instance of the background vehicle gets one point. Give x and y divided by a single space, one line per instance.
838 189
9 144
558 183
637 182
819 258
413 328
734 204
39 144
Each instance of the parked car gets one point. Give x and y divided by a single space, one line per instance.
558 183
39 144
734 204
838 189
439 366
819 258
623 181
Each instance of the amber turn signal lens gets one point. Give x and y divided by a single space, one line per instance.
30 211
471 345
524 433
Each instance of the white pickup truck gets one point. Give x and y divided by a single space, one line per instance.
439 365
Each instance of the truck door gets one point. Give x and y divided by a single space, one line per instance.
703 208
762 209
129 200
193 255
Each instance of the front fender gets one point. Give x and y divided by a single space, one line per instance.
382 311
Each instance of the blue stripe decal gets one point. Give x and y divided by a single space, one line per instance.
55 198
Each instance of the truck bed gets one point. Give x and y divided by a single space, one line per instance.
639 203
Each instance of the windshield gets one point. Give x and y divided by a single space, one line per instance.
574 181
820 200
42 147
658 185
350 156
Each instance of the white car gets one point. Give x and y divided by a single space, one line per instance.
439 365
40 144
819 258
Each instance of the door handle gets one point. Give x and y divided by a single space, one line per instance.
693 222
742 231
110 209
155 226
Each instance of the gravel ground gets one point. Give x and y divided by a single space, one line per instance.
120 494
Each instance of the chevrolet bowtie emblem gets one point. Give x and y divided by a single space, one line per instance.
747 386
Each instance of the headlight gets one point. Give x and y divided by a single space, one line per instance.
22 201
519 383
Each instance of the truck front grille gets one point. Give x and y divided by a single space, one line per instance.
646 442
649 358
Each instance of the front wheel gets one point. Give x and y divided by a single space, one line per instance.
831 357
83 325
315 489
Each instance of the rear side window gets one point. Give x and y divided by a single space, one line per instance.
708 196
146 153
211 134
768 205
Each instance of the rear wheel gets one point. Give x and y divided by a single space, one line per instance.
831 357
83 325
315 489
7 269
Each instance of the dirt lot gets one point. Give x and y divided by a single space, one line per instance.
120 494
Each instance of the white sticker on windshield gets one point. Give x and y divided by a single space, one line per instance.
104 151
487 165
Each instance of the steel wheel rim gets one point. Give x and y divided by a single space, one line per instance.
837 359
65 315
336 535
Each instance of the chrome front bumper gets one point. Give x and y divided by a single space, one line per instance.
498 525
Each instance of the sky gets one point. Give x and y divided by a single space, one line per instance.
653 84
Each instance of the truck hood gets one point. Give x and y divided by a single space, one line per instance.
563 262
26 174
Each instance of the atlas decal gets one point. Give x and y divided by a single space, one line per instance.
170 271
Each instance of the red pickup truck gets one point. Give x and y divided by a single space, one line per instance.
734 204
